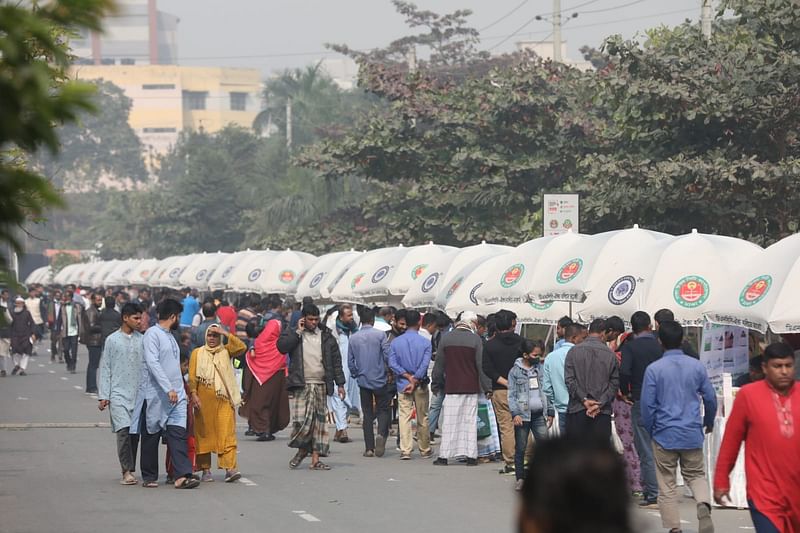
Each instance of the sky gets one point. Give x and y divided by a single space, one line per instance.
272 35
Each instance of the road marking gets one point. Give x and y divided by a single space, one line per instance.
52 371
78 387
309 517
41 366
21 398
64 379
245 481
298 512
55 425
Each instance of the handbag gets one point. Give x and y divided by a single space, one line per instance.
484 426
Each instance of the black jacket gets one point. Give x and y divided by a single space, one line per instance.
499 355
290 343
94 332
110 321
637 354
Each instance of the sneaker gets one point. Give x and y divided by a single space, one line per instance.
380 445
250 433
704 516
14 372
472 462
369 453
441 461
518 486
507 470
405 456
22 373
427 455
232 475
207 477
648 504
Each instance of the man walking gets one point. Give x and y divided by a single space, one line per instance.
670 400
54 324
315 367
458 372
110 319
368 359
94 341
71 318
120 371
33 303
555 388
190 308
500 355
344 325
766 417
409 356
637 354
161 402
591 374
5 340
23 333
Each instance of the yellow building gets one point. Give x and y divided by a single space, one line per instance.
169 98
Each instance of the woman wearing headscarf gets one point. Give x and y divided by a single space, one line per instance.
266 400
215 394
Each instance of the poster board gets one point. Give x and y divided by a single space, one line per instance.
560 214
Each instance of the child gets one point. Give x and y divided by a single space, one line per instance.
528 402
189 421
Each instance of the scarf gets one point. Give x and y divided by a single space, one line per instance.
347 329
214 369
264 360
465 326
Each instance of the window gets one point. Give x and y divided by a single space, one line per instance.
238 101
160 130
107 61
127 61
194 99
158 86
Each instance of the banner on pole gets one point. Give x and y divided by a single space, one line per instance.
560 213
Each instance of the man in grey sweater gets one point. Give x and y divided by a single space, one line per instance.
591 374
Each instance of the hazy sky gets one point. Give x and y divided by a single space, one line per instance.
275 34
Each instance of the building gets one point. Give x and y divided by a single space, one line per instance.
168 99
544 49
139 34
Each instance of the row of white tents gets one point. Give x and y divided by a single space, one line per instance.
700 277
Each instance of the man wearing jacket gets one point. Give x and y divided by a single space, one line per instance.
591 374
315 365
54 323
94 341
500 354
637 354
555 387
71 318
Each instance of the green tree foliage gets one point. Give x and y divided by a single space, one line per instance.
35 97
61 260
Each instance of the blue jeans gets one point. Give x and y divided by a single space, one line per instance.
537 425
644 447
761 522
434 410
562 424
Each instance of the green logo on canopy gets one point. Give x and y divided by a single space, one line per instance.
755 291
512 275
691 291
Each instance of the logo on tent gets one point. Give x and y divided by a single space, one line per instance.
200 275
175 273
316 280
287 276
755 291
430 282
227 272
127 273
691 291
144 273
622 290
454 287
357 279
541 306
380 274
254 275
512 275
472 297
570 270
418 270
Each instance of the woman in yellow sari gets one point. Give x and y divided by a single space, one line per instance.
215 395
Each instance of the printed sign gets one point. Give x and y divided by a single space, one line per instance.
560 213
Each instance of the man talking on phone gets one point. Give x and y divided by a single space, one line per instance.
315 368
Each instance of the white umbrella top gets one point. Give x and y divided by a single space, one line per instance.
368 271
119 274
322 273
510 282
141 272
250 270
64 276
102 273
85 278
221 277
199 271
692 273
160 274
39 275
279 273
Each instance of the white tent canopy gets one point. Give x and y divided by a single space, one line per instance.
198 272
220 279
118 276
64 276
274 272
141 272
365 276
40 275
321 273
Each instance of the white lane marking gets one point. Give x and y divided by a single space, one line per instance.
51 371
41 366
309 517
21 398
298 512
78 387
245 481
64 379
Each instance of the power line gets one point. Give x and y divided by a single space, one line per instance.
613 8
504 17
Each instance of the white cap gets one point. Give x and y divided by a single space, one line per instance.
19 299
469 316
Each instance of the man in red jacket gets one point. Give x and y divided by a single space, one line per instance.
766 417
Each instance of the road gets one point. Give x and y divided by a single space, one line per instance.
59 472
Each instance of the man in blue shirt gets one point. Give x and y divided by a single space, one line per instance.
409 357
670 405
190 308
553 382
368 359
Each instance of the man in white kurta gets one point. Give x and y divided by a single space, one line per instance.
120 372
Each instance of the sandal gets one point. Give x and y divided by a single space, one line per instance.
319 465
297 459
150 484
188 483
129 479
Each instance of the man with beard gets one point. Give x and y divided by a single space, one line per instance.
161 400
71 318
94 341
23 330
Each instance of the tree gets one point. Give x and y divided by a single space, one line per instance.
36 96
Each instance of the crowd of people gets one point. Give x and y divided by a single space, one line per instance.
180 370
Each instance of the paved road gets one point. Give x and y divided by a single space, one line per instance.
59 473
